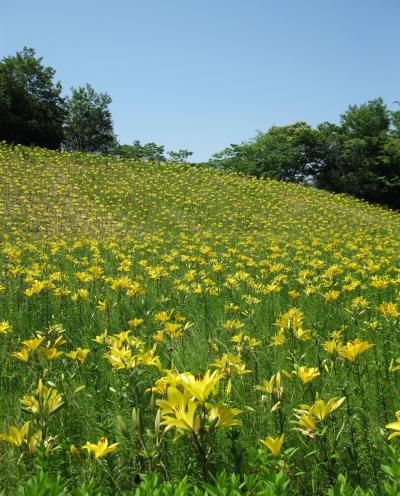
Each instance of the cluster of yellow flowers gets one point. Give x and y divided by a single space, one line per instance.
115 276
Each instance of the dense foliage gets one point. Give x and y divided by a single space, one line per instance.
31 107
171 320
88 125
137 151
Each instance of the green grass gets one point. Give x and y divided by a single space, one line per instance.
88 244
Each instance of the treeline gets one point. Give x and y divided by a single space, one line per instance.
34 112
359 156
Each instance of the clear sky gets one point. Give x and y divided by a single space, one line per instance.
201 74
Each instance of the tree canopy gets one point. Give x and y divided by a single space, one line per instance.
137 151
32 109
88 124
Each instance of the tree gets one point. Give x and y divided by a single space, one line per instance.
88 125
31 107
180 157
362 154
137 151
288 153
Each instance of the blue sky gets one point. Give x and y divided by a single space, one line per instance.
201 74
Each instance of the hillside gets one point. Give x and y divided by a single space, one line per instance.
116 277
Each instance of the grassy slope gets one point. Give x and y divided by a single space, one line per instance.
194 241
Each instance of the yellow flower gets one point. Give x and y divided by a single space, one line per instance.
238 338
75 453
78 354
372 324
321 409
162 316
22 355
135 322
278 339
31 403
34 343
389 309
179 411
272 386
274 444
306 374
332 346
331 295
231 307
173 329
251 300
149 358
101 448
392 366
5 327
308 416
359 303
47 400
102 305
379 283
395 426
221 416
16 436
230 364
200 386
82 294
302 334
84 277
51 353
354 348
292 319
36 288
232 325
101 338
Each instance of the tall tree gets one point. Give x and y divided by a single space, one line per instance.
137 151
88 125
31 107
288 153
362 154
180 157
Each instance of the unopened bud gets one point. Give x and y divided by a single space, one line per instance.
75 453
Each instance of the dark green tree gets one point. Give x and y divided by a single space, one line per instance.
137 151
31 107
88 125
362 154
180 157
288 153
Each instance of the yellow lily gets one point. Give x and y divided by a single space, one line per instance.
226 416
16 436
354 348
78 354
183 418
395 426
5 327
321 410
200 387
306 374
102 448
274 444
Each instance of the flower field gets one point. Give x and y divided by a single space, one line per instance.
178 321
